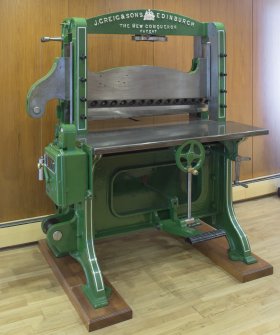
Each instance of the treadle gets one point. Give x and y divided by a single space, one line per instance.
209 235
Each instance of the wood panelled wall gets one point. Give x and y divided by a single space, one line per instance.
253 46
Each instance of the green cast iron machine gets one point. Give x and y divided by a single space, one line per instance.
161 176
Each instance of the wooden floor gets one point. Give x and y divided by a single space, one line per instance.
171 287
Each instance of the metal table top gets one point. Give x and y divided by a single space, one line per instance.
168 135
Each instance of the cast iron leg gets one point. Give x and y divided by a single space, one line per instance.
239 247
94 289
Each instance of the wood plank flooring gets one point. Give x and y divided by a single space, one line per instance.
171 287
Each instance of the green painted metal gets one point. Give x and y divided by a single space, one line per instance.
62 161
174 225
190 156
74 34
239 247
147 22
222 71
97 196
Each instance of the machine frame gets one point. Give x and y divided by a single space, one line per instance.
111 182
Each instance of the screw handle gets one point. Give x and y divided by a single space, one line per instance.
51 39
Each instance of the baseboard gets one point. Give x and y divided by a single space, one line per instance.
20 234
256 188
30 230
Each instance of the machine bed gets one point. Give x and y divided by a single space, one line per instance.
162 136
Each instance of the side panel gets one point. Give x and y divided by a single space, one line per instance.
65 175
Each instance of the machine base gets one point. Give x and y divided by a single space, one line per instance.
217 251
71 277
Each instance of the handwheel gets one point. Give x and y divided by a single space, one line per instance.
190 156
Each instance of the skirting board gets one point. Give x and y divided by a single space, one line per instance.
256 188
32 232
21 234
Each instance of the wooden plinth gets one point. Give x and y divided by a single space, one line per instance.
71 277
216 250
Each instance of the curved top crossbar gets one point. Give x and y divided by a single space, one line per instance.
145 22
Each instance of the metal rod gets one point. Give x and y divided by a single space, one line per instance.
189 195
51 39
15 223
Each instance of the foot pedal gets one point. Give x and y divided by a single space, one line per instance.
209 235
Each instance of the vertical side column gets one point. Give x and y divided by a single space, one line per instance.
79 45
217 102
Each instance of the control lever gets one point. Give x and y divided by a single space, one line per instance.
51 39
238 160
41 168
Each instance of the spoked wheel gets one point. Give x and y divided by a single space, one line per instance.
190 156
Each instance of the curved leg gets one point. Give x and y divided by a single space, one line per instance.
94 289
72 233
239 247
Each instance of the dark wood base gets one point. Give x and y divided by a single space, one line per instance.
216 250
71 277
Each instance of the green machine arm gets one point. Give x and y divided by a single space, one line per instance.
55 85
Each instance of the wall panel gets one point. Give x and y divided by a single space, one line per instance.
23 60
237 18
252 79
266 41
109 51
177 53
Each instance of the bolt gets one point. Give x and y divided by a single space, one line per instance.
83 56
36 110
57 235
83 117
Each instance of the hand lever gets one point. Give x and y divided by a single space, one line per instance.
238 160
51 39
41 168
